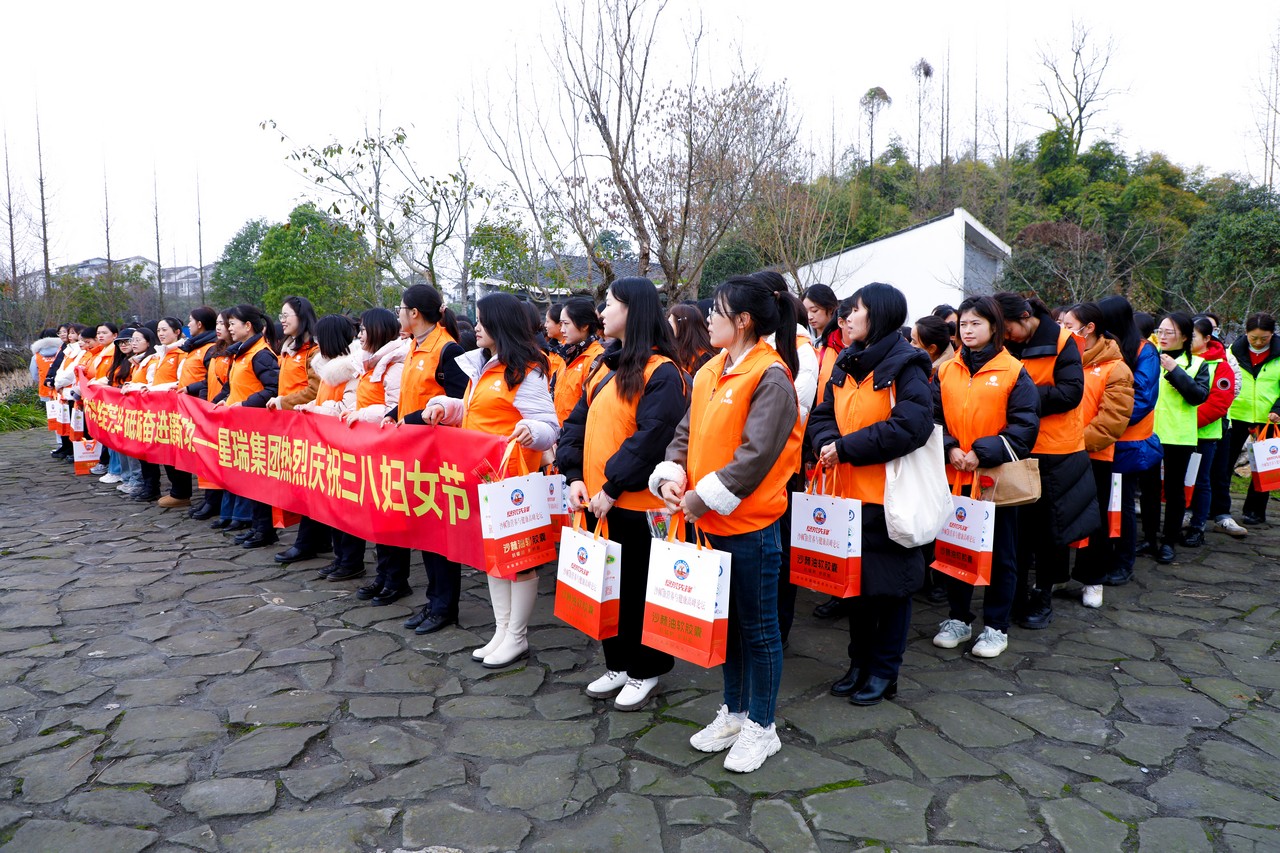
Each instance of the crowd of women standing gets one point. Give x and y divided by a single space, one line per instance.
717 412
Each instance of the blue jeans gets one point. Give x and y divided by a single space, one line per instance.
113 465
1203 494
130 470
753 654
236 508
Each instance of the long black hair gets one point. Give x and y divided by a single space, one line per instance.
933 331
306 312
121 367
1182 322
205 316
1118 320
581 312
334 334
151 339
173 323
428 302
646 333
691 338
380 328
257 319
1089 312
507 325
886 309
770 312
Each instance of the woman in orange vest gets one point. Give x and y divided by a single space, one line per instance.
1107 405
727 470
877 407
110 361
205 380
336 362
430 369
252 380
200 339
143 361
171 356
379 362
1068 507
553 340
1138 448
507 395
978 416
613 439
580 326
693 346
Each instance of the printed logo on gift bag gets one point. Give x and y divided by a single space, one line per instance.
517 497
961 515
582 555
820 516
681 569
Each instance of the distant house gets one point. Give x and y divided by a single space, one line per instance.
579 275
941 260
181 282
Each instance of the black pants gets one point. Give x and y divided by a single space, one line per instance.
1097 560
1176 458
179 481
625 652
313 537
348 550
878 626
997 599
1037 549
213 497
444 577
1255 503
261 517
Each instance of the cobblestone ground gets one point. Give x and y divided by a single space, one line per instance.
162 690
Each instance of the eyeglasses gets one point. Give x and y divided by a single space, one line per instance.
402 308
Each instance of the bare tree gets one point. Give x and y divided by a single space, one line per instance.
106 224
10 214
1073 91
944 133
875 100
199 240
923 73
44 210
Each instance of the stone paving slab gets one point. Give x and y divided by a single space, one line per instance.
161 690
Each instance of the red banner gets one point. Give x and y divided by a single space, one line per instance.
408 486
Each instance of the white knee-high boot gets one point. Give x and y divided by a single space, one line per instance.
524 594
500 598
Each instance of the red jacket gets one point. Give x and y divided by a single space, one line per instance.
1222 390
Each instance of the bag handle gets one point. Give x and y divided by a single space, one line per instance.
958 485
510 453
673 526
602 527
1008 447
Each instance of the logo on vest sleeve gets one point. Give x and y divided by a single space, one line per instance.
961 515
517 498
582 555
819 516
681 569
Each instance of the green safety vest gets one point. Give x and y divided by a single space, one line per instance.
1175 417
1212 431
1257 395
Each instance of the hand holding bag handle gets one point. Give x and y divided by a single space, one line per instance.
1015 483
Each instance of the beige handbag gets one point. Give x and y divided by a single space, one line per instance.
1015 483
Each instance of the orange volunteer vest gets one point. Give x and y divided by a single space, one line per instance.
718 413
293 370
418 380
330 393
167 369
243 380
43 364
193 369
569 385
368 392
490 406
975 406
219 371
1064 432
611 420
857 405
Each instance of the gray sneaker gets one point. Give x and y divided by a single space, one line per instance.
1229 526
952 633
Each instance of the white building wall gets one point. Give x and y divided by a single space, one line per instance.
927 263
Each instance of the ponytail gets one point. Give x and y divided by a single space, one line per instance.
784 337
772 313
450 322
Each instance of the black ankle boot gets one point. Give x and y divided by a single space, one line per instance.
1039 610
849 682
874 691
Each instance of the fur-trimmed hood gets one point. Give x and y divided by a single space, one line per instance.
47 347
393 352
339 371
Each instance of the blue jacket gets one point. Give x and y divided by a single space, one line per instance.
1134 456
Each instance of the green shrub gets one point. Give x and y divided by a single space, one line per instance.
24 395
16 416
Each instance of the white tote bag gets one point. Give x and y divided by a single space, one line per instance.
917 498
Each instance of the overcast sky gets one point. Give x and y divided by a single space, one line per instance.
173 90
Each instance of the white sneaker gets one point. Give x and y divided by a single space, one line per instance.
1093 595
952 633
991 643
98 469
1229 526
754 744
722 732
635 694
606 685
1186 518
124 487
109 479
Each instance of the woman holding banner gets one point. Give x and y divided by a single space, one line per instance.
727 471
217 373
615 436
170 358
1106 407
430 369
507 395
877 407
252 381
988 407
